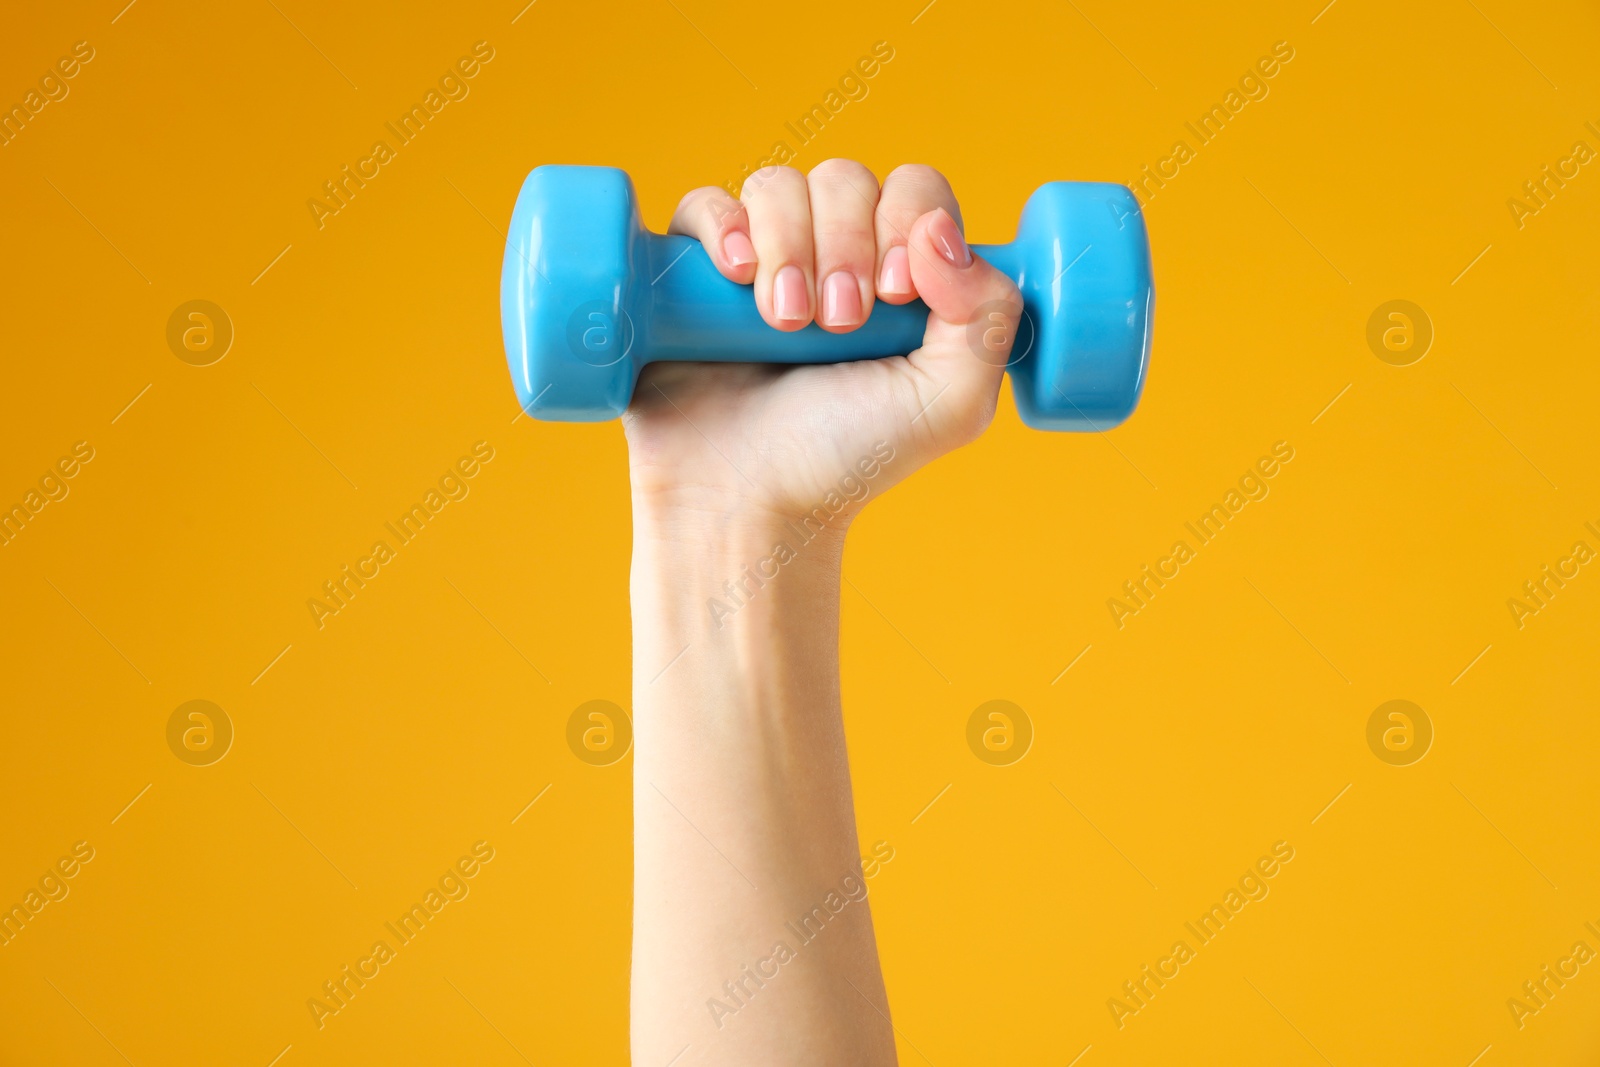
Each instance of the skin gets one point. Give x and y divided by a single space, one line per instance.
743 815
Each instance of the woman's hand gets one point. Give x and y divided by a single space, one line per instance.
762 442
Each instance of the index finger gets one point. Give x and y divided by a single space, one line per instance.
909 192
719 222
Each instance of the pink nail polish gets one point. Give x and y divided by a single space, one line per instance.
895 279
946 237
841 299
737 249
789 300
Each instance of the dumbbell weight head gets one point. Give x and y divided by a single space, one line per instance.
588 296
566 293
1082 262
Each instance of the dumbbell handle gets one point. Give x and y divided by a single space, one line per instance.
697 314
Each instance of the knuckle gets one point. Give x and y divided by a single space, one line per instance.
893 219
843 239
724 211
768 180
913 189
919 177
836 172
709 201
850 249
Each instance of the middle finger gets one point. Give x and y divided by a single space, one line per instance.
844 195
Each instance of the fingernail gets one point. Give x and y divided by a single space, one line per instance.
946 237
895 279
737 249
789 302
841 299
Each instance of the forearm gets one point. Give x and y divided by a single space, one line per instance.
753 938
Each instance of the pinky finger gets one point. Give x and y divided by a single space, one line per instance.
720 223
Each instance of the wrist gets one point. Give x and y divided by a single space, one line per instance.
731 582
696 554
695 533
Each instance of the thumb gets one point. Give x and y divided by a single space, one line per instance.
973 314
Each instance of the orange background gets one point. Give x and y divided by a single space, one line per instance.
1226 716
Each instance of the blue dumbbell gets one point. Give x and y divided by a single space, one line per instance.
588 296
